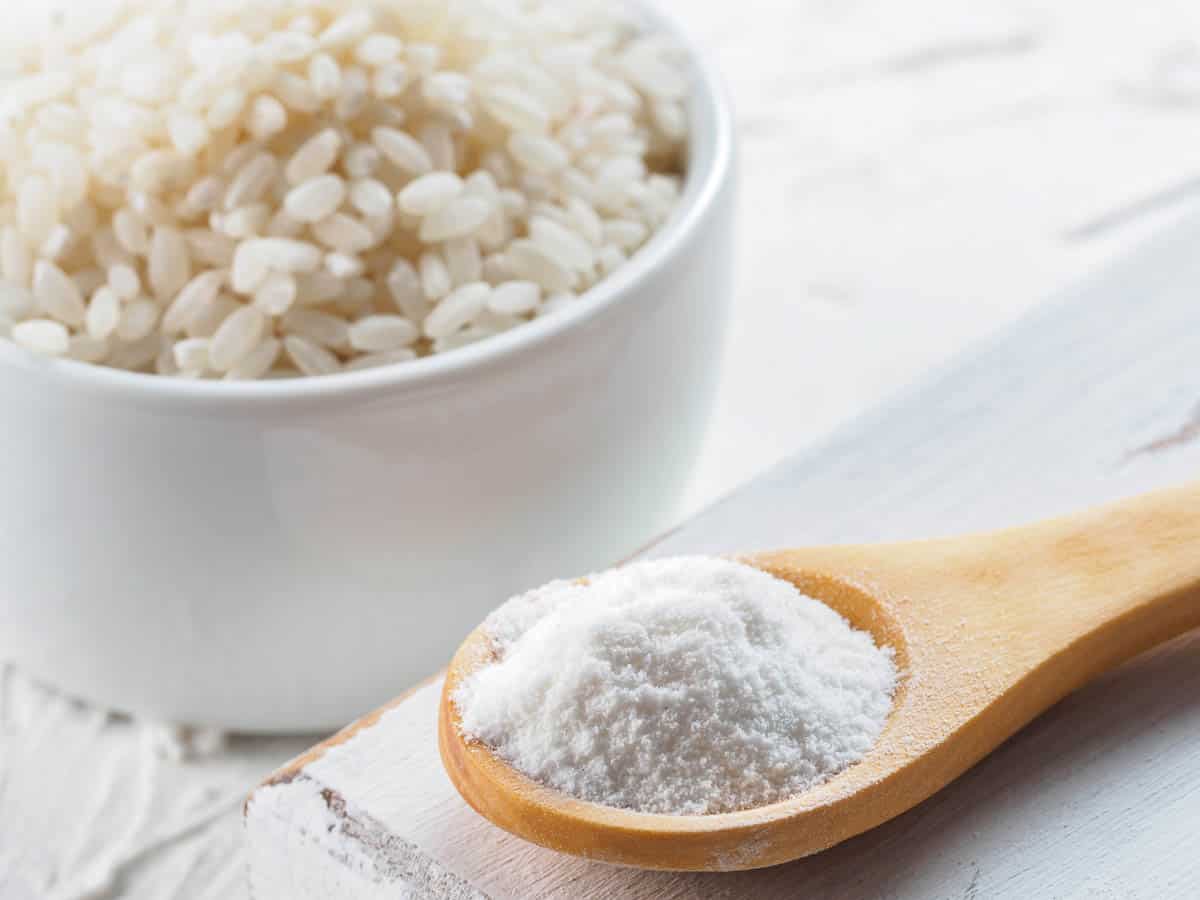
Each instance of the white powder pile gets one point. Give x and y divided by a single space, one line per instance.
683 686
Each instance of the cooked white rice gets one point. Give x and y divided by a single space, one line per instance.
232 189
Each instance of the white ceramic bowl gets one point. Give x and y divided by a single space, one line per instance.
285 555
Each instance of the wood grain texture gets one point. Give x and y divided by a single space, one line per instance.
989 630
1098 798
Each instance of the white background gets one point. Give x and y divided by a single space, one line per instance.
915 175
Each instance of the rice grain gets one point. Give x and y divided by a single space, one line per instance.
191 354
514 298
315 199
458 218
237 337
315 157
380 333
310 358
244 190
42 336
196 296
343 233
276 294
257 362
456 310
426 195
320 328
103 313
137 320
57 296
16 262
402 150
169 264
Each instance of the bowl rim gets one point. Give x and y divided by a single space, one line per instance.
701 188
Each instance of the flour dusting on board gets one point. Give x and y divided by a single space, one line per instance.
685 686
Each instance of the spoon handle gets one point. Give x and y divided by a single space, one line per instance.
1049 605
1065 598
1108 583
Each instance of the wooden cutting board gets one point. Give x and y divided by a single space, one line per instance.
1095 396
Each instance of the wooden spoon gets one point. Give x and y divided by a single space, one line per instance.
989 631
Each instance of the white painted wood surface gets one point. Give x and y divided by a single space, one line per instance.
1096 798
916 176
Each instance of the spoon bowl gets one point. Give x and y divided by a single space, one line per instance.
989 631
